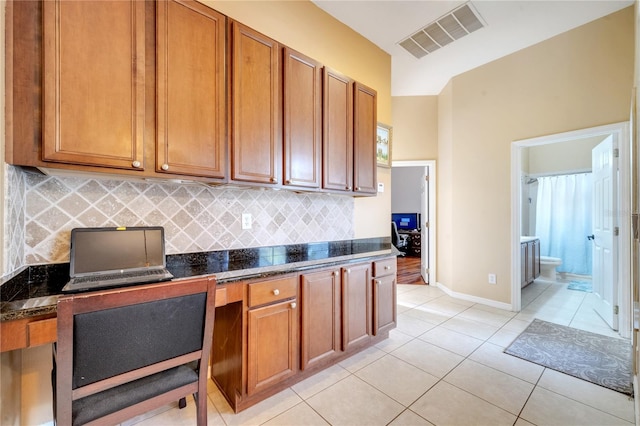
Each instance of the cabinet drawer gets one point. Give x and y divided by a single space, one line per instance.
384 267
264 292
41 332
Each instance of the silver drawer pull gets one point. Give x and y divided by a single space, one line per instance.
293 305
276 292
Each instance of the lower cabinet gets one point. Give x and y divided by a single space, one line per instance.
356 306
320 322
272 333
268 341
529 261
384 295
272 345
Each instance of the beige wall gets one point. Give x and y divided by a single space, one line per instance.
560 157
415 127
579 79
303 26
444 192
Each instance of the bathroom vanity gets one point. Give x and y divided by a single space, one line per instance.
529 260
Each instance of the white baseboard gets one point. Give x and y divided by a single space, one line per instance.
475 299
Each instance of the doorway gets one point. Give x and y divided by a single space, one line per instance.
426 188
619 132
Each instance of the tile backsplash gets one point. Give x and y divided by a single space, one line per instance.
42 210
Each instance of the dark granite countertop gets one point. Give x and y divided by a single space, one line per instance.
34 290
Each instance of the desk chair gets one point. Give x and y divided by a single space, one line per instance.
401 241
123 352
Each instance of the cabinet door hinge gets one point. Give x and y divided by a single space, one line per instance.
616 231
426 178
616 309
616 152
426 224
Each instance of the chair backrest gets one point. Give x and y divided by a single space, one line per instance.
110 338
394 234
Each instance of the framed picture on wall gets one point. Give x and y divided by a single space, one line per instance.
383 145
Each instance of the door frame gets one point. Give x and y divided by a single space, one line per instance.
620 131
430 206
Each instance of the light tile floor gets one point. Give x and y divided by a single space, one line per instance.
443 365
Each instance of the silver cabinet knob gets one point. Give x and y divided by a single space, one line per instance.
387 267
293 305
276 292
357 188
165 167
136 164
273 180
348 271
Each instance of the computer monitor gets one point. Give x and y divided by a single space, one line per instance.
406 221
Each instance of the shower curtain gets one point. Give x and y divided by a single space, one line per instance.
563 220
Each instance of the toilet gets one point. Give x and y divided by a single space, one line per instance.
548 267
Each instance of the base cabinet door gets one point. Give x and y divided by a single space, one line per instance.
320 321
272 345
356 306
384 303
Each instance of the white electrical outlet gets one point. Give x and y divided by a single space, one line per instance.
246 220
492 278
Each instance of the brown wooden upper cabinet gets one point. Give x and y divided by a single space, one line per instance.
256 126
93 78
349 135
190 79
302 130
365 123
337 138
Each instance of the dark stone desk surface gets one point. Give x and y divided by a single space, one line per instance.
34 290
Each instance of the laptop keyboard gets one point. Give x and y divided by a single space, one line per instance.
125 275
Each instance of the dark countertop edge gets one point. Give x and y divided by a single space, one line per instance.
47 304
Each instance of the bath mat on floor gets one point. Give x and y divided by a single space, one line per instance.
605 361
580 286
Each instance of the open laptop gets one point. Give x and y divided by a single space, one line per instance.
113 257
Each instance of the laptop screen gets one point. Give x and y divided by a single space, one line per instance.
113 249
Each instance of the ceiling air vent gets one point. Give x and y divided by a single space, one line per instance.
450 27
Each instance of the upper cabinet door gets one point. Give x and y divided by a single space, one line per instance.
94 63
256 132
190 69
337 155
365 166
302 120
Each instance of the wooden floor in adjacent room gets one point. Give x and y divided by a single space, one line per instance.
409 270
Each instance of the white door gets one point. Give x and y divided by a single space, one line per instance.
424 227
604 213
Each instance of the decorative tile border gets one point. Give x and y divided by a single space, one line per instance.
196 217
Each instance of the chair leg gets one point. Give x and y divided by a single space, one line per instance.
201 408
182 403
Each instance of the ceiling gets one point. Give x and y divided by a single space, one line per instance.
510 25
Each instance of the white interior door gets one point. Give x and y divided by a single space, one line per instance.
604 214
424 227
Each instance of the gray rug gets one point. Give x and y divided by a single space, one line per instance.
605 361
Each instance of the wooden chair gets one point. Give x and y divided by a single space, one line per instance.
123 352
